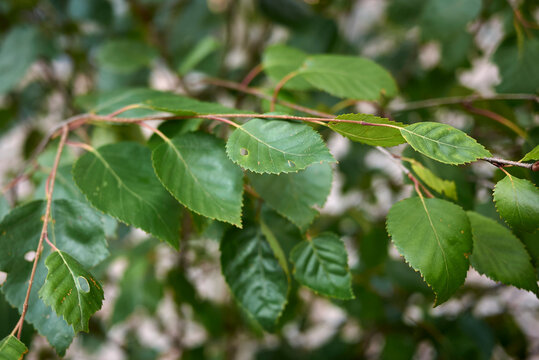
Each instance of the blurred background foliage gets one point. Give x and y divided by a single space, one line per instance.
58 56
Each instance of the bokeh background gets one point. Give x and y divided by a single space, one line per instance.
160 304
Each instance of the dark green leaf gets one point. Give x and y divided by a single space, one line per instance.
11 348
254 275
498 254
348 77
297 195
195 169
321 264
271 146
18 51
21 228
517 201
434 237
518 66
119 180
124 55
443 143
370 135
202 49
71 290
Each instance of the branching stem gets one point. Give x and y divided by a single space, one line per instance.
279 86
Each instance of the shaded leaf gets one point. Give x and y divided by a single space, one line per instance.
517 201
11 348
195 169
443 143
125 55
280 60
370 135
499 254
348 77
297 195
321 264
71 290
20 231
446 187
532 155
276 146
434 237
518 66
254 275
201 50
119 180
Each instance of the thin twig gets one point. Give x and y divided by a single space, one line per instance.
496 117
501 163
50 189
279 86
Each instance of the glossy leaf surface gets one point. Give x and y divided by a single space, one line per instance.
71 290
271 146
434 237
119 180
517 201
499 254
254 275
195 169
296 195
443 143
321 264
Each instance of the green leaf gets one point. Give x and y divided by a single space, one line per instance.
442 19
499 254
18 51
532 155
280 60
4 207
202 49
71 290
11 348
172 129
348 77
296 195
254 275
443 143
518 66
119 180
446 187
370 135
275 246
195 169
321 264
517 201
434 237
150 102
124 55
20 231
272 146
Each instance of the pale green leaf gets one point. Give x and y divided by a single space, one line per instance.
280 60
446 187
202 49
125 55
499 254
532 155
19 233
321 264
370 135
119 180
254 275
150 102
71 290
195 169
348 77
12 348
272 146
434 237
18 51
443 143
295 196
517 201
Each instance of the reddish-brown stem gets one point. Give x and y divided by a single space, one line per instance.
124 109
279 86
154 130
417 184
219 118
496 117
251 75
80 145
39 249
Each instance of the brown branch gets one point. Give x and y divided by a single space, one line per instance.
503 163
39 249
496 117
279 86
